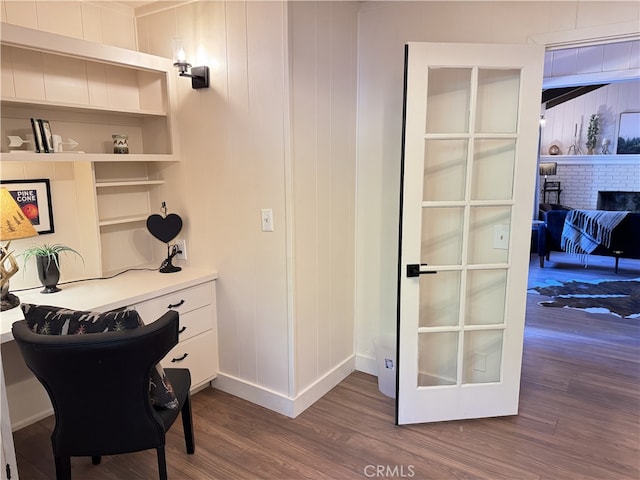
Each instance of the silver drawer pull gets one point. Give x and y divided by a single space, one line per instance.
174 360
182 330
176 305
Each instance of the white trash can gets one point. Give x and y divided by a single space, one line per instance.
385 349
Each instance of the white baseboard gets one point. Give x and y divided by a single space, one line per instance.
291 407
366 365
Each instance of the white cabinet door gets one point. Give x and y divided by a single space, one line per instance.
469 164
9 466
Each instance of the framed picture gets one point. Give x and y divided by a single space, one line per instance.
47 135
34 198
629 134
37 135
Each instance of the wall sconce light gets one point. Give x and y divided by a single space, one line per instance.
199 75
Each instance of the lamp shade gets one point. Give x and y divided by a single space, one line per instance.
13 222
548 168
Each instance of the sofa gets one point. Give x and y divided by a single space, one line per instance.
625 237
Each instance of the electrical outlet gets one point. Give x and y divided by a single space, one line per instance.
182 246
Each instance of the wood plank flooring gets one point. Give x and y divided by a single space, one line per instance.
579 418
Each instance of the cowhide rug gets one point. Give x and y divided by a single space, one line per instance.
618 297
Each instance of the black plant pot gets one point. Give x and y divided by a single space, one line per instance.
48 273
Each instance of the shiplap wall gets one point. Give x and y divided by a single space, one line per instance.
275 130
104 22
607 103
580 62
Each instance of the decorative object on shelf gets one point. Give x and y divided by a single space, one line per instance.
605 146
629 134
120 143
48 263
15 141
199 75
575 146
37 135
554 150
14 225
165 228
57 143
47 136
592 134
34 198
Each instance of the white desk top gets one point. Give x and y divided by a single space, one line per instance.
102 295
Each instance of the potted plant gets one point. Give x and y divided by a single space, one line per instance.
592 133
48 263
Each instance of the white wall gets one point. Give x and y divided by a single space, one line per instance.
275 130
383 30
323 123
97 21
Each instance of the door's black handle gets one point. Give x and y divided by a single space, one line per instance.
413 270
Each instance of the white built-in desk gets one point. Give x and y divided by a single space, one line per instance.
191 292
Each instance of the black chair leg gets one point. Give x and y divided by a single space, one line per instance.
162 463
187 426
63 468
96 460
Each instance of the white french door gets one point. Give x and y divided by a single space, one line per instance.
469 165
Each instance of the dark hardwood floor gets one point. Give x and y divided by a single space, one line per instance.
579 418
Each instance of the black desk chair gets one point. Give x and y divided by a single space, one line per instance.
99 388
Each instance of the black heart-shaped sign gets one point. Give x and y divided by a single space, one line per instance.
166 228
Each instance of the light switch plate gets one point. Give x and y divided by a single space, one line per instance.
267 219
501 237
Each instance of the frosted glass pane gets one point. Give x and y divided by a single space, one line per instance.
448 100
440 299
489 231
485 297
442 236
493 166
445 165
437 358
497 104
482 356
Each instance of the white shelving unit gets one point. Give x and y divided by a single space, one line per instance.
89 92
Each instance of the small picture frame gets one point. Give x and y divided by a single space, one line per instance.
34 199
47 136
37 135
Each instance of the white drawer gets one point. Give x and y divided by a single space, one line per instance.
195 322
182 301
198 354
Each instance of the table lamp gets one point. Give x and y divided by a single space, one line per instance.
13 225
547 168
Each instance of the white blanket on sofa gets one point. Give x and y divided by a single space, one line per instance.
584 230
